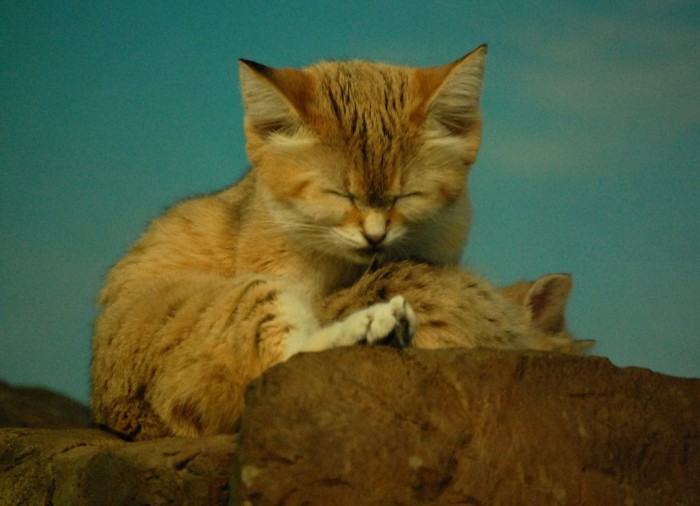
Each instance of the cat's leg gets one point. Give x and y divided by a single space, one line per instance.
267 321
393 320
174 355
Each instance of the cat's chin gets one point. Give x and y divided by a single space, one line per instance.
364 256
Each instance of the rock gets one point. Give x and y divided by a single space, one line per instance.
373 425
89 466
35 462
38 407
378 426
92 466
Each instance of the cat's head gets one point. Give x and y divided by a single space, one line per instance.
358 159
543 304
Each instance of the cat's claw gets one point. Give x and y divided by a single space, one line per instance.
393 321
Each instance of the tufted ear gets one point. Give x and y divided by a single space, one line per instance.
448 98
451 93
544 304
546 299
274 100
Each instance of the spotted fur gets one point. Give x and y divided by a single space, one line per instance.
457 308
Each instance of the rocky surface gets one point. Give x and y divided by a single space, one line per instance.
370 425
81 467
375 426
38 407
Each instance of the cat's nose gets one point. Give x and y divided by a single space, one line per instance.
374 227
374 239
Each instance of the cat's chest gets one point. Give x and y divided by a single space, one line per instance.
320 275
316 273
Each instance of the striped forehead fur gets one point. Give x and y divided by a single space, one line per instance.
368 108
376 116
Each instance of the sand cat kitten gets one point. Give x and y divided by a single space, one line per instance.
352 162
456 308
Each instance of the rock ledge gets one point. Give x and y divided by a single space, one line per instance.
370 425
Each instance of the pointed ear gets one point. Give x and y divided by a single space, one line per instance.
274 100
451 93
545 301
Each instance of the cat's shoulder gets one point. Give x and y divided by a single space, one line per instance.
223 205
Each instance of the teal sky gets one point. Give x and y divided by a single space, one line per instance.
111 111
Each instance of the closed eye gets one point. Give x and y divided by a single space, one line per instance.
347 196
408 195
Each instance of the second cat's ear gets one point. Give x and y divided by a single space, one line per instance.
546 299
449 99
274 100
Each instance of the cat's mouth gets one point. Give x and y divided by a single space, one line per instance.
367 255
372 250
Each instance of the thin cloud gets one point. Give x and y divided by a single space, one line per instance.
638 67
603 86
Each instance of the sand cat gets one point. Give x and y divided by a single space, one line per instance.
353 164
457 308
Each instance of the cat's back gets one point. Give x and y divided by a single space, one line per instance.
198 235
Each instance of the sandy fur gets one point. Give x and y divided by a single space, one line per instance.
355 166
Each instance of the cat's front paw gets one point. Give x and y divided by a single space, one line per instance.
392 323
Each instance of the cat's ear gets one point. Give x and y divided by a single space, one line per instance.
545 301
449 99
452 92
274 100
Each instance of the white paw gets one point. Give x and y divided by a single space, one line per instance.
389 316
378 321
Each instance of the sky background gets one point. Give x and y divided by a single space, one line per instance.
112 111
